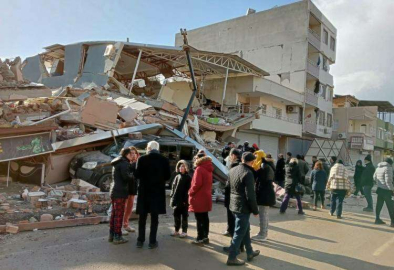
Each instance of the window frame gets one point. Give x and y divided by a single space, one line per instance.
332 43
325 36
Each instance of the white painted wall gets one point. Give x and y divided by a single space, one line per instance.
271 124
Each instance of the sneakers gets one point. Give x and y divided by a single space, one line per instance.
339 217
129 229
235 262
259 238
301 212
226 233
111 237
154 245
353 196
378 221
124 232
282 212
199 243
367 209
314 208
119 240
183 235
140 244
254 254
175 234
322 207
331 214
205 240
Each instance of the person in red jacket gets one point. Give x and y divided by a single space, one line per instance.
200 196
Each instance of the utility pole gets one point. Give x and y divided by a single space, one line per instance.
189 61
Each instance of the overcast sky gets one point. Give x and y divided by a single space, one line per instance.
364 50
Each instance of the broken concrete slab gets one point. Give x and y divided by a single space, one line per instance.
92 113
46 217
11 228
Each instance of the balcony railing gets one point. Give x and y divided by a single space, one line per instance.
314 38
313 69
311 97
280 117
310 127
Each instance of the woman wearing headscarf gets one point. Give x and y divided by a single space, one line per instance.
357 178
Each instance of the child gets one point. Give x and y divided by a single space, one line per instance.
179 198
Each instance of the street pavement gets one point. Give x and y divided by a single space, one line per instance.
313 241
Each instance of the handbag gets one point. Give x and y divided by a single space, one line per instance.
299 189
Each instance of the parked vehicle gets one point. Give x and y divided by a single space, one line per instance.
95 167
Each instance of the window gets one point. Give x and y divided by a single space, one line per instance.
336 124
321 118
326 65
329 120
363 128
323 91
332 44
325 36
329 92
278 113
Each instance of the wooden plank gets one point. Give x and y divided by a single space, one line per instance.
59 223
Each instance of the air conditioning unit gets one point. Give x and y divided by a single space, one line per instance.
342 135
292 109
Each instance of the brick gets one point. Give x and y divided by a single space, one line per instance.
46 217
11 228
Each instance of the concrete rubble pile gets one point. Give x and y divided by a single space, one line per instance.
36 205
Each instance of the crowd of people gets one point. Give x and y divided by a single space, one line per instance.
249 190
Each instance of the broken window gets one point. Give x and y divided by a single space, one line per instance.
332 44
325 36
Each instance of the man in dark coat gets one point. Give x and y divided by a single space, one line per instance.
367 182
242 204
280 170
153 170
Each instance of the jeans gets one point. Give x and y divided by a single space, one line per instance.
230 222
263 216
318 194
337 197
285 202
368 196
242 233
180 218
384 196
154 224
202 225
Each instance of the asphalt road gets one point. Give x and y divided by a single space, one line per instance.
313 241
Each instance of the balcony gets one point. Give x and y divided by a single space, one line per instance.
311 97
277 124
314 39
389 145
361 141
313 69
310 127
323 131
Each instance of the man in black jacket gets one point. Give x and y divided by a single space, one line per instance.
367 182
280 170
153 170
242 204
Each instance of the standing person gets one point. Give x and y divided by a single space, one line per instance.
265 196
235 156
226 152
200 197
242 204
255 147
153 171
339 184
133 186
319 182
304 168
314 160
325 166
384 177
357 178
180 198
333 160
280 171
247 148
292 179
367 182
288 157
119 192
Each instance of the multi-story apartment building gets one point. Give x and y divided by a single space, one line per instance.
359 124
296 44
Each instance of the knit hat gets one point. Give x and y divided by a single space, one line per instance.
389 161
368 158
248 157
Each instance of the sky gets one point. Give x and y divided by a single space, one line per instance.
364 56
